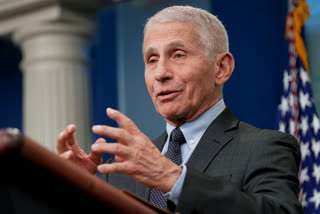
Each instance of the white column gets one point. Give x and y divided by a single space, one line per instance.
55 80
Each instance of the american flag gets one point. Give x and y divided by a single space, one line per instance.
297 114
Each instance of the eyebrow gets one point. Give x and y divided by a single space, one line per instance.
149 52
176 44
172 45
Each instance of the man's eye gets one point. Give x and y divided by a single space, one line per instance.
179 56
151 61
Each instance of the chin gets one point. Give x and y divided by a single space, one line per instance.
168 110
172 117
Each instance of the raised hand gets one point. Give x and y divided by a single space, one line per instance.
135 154
68 148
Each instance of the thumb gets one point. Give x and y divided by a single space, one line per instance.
96 156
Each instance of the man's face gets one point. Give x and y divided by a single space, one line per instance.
179 76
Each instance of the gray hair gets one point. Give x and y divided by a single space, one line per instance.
212 34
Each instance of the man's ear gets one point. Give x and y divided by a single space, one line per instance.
225 66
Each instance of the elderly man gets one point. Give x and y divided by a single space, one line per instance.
207 161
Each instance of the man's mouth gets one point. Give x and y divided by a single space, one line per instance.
167 95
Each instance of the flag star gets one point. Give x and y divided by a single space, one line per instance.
304 76
286 80
291 100
315 124
292 127
304 202
315 198
304 175
304 150
316 172
315 147
284 106
304 125
282 127
304 100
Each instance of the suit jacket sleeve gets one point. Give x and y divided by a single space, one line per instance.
268 182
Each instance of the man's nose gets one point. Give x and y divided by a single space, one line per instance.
163 71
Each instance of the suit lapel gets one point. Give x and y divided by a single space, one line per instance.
142 190
160 141
213 140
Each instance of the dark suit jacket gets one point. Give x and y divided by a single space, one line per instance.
235 168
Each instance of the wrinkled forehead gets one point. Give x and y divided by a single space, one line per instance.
185 29
175 44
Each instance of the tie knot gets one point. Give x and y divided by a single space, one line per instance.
177 137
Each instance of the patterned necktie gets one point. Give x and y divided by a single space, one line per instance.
173 154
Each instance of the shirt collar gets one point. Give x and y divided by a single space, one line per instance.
194 129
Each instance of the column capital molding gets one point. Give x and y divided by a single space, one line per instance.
15 14
56 27
53 44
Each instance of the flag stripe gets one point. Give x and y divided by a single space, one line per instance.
297 114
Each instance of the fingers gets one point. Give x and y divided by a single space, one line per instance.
112 148
67 155
96 155
122 120
67 141
123 136
71 129
74 145
119 168
118 134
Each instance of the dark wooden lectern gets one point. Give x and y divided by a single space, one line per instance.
35 180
